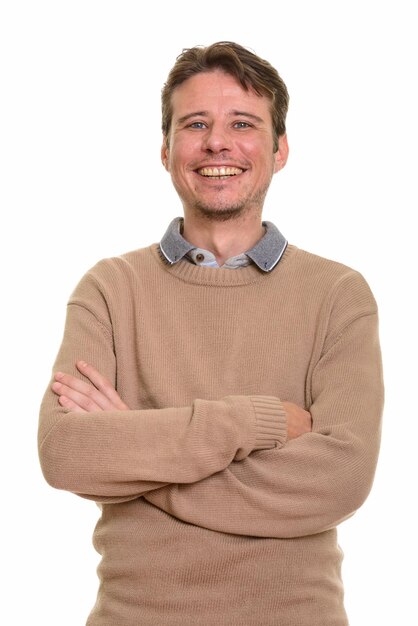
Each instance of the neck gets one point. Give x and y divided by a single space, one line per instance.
223 239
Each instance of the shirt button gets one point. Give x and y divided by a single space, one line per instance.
200 257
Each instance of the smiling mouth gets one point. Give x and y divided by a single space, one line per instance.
219 172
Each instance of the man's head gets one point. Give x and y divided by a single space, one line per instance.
250 71
224 129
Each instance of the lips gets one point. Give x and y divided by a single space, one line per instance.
219 172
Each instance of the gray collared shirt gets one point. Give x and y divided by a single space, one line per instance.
266 253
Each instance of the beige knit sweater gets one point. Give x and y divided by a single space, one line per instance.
209 515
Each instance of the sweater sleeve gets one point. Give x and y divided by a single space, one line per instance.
316 481
120 455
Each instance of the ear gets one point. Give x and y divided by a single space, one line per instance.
280 157
164 154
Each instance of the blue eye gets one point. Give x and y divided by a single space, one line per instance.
197 125
241 125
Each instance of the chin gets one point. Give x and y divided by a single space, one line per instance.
220 213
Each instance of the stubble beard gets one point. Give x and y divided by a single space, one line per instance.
222 212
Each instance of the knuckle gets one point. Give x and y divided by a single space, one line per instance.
107 387
90 391
89 404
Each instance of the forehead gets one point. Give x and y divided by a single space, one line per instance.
217 92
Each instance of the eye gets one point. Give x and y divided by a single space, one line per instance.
242 125
197 125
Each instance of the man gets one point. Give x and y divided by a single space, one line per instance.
218 393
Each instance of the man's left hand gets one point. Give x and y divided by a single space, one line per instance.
82 397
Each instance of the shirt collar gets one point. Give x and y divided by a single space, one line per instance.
266 253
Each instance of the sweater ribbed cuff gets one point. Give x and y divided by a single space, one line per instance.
271 422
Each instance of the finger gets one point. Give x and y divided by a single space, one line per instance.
73 382
80 386
101 383
69 404
82 400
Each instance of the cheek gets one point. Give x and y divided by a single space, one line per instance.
184 157
175 159
257 151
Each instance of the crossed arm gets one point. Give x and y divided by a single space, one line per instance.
81 397
254 512
318 473
316 480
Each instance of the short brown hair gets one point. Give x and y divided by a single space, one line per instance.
250 71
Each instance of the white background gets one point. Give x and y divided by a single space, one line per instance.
81 179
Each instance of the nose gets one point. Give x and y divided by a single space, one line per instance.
217 139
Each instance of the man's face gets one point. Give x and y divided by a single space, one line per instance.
220 147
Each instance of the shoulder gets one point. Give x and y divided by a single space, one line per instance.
322 270
130 263
336 284
318 266
113 275
338 295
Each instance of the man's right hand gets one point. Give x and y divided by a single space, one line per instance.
299 421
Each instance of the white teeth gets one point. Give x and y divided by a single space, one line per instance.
220 171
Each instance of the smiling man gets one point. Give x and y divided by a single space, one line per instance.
219 149
219 393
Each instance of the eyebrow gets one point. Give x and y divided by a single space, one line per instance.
184 118
256 118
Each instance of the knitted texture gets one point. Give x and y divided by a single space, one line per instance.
209 514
